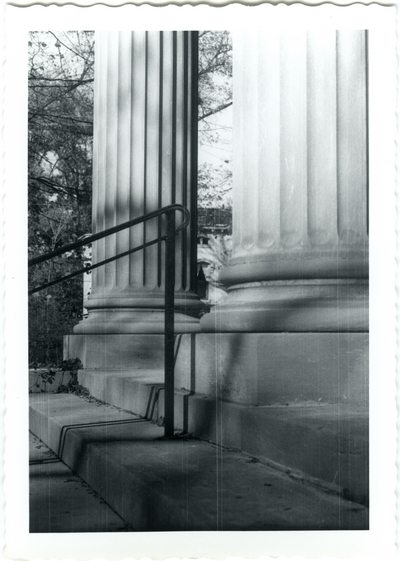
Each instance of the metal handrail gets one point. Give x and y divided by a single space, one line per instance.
169 238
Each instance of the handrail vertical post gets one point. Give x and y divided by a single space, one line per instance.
169 325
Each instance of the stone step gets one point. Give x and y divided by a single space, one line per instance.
134 391
180 484
325 443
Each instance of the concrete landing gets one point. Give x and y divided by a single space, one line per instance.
184 484
59 501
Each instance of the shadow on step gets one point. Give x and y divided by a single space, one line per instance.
183 484
106 425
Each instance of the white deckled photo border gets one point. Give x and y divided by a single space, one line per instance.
379 540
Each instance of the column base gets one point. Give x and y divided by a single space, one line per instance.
120 321
292 306
139 312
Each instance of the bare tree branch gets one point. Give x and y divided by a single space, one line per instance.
214 111
69 48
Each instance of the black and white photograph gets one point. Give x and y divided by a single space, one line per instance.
199 233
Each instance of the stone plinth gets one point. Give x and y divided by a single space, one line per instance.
275 368
116 351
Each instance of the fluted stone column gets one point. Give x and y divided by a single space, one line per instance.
300 210
291 340
145 146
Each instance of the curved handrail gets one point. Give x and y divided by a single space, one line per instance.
88 268
87 239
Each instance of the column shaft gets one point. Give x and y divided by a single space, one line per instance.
300 258
145 146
